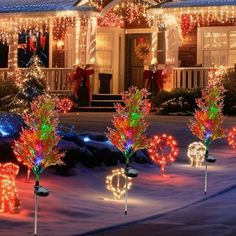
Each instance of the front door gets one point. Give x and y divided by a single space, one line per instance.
134 66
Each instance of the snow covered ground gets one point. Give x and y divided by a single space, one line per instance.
80 203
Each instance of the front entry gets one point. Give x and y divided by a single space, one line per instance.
134 66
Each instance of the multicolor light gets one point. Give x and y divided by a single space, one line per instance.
36 146
130 125
196 153
163 149
9 198
115 182
208 119
231 138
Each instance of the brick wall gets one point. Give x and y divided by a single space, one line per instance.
188 51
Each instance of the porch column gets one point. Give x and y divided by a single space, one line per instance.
91 48
91 40
154 42
12 55
77 41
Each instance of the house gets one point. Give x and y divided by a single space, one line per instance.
64 33
198 35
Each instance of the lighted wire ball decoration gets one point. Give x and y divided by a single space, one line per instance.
9 198
65 105
142 51
231 138
163 149
196 153
115 182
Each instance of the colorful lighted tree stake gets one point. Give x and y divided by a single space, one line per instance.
196 153
115 182
36 146
231 138
208 118
65 105
163 149
130 125
9 198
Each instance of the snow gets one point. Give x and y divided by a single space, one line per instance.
81 203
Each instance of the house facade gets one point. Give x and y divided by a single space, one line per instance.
198 35
186 38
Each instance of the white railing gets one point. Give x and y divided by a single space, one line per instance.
57 79
190 77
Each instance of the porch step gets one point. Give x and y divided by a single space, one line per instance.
101 96
101 103
94 109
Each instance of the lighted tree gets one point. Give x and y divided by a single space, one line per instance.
34 83
129 122
30 84
36 146
207 124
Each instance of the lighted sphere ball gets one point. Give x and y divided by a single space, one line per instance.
115 182
196 153
163 148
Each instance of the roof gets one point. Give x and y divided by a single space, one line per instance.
13 6
196 3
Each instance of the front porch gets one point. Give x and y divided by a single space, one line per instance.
58 79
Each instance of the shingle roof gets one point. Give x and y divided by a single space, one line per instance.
196 3
10 6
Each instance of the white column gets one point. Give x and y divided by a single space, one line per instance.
50 42
77 41
12 56
91 40
154 42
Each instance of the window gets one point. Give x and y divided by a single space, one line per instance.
218 46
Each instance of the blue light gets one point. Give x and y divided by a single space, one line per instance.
208 135
38 160
128 144
3 132
87 139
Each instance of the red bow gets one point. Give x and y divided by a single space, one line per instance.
158 75
79 75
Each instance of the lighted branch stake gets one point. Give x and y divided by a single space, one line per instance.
130 125
208 118
36 146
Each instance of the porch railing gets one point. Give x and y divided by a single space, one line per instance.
57 79
190 77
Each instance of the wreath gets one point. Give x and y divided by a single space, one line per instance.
142 51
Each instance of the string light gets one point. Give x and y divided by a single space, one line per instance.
65 105
115 182
231 138
216 75
196 153
163 148
9 198
126 12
